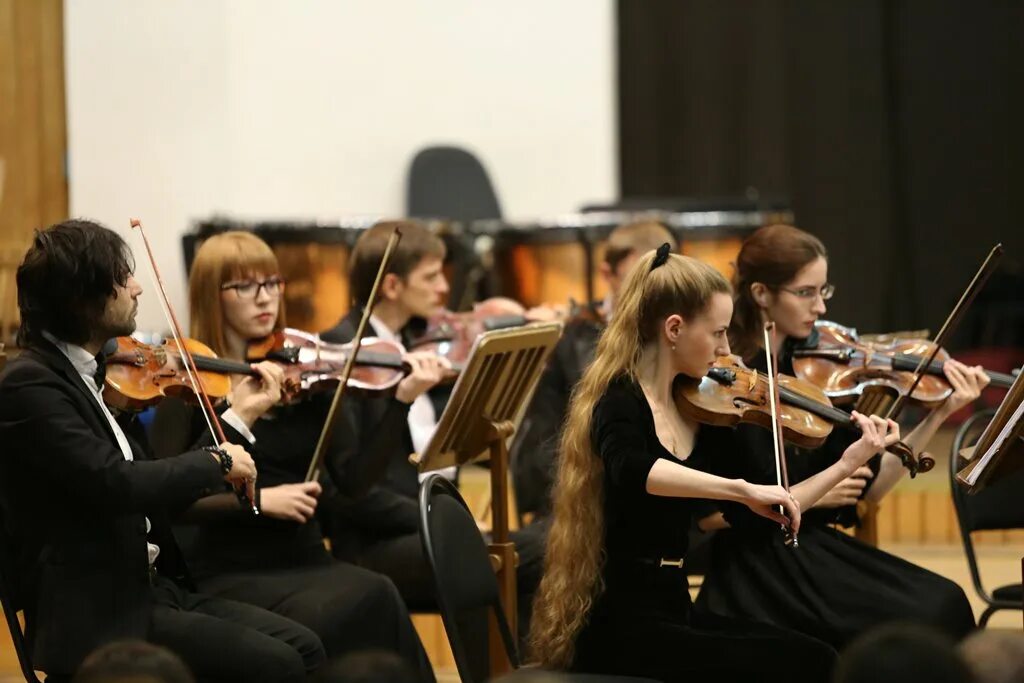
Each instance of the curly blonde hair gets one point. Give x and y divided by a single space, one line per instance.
574 558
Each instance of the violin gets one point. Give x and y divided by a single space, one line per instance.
140 375
730 394
845 367
311 364
452 334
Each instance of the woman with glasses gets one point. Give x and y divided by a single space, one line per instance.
277 559
832 585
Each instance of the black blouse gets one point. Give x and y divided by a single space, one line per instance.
231 539
640 526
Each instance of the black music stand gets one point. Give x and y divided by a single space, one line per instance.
496 383
999 451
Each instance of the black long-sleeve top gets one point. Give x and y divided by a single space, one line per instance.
640 526
234 539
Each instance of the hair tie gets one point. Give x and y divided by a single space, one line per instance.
662 256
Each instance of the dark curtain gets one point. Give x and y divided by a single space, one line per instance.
895 128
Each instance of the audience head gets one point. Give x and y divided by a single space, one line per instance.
132 661
994 656
903 652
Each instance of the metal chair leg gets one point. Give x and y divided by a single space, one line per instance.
986 615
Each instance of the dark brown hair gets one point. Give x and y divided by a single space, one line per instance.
772 256
416 243
66 278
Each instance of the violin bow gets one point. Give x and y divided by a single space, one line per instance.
781 475
925 462
205 405
313 474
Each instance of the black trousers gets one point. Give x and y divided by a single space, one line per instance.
348 607
223 640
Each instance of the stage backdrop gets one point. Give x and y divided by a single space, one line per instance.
259 108
894 126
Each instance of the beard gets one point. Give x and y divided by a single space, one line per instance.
119 327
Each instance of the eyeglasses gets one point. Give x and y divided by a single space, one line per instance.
250 289
825 292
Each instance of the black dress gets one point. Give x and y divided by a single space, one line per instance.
832 586
282 565
642 623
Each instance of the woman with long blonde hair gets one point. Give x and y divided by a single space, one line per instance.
614 596
277 560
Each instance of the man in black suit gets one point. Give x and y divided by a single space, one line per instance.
86 511
381 530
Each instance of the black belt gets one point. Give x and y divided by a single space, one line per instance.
662 562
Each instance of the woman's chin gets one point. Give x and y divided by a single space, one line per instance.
695 373
261 331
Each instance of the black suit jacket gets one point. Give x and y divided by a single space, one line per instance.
379 425
75 511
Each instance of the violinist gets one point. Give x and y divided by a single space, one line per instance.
536 442
277 560
834 586
614 596
381 530
87 509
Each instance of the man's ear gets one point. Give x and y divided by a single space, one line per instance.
759 291
606 272
391 286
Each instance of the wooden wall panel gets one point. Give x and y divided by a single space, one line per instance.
33 139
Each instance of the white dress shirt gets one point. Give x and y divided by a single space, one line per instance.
422 416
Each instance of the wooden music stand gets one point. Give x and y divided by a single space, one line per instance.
498 379
999 451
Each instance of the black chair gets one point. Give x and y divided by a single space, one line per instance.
467 589
997 507
450 182
12 603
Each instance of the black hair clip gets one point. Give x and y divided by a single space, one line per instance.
662 256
